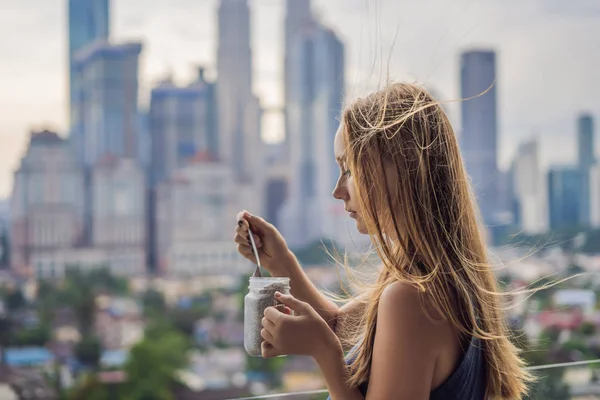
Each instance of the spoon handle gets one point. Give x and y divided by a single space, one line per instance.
257 271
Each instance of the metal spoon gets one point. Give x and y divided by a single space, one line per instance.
257 273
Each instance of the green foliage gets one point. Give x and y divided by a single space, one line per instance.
89 351
185 319
271 367
587 329
550 386
90 389
37 336
154 303
153 363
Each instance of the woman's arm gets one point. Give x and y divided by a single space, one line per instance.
405 351
338 318
335 371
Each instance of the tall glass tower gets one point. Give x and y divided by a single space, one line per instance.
89 21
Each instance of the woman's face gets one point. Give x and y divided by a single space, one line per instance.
345 188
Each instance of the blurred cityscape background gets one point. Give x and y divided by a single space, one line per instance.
134 131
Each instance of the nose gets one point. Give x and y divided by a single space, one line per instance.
340 192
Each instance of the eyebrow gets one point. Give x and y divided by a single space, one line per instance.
340 159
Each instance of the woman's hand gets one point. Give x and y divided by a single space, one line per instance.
272 249
304 333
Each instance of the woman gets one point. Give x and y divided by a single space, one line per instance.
432 326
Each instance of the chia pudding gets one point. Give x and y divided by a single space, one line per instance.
260 297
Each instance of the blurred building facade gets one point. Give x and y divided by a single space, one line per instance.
315 92
564 185
47 202
89 22
586 159
105 115
529 190
182 122
118 204
479 138
193 208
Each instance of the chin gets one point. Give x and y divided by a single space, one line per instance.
362 229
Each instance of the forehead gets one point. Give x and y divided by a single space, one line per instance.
339 145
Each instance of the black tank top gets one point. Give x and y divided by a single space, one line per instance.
467 382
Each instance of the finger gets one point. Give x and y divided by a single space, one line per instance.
291 302
258 224
244 239
287 311
273 315
246 252
268 350
242 221
265 334
268 325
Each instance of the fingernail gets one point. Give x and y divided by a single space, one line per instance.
277 294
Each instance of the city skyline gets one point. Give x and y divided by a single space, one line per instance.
527 103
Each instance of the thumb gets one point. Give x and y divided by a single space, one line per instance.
291 302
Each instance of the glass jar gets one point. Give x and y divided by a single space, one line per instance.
260 297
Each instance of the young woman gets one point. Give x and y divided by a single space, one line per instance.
432 326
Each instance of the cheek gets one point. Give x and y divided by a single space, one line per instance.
351 189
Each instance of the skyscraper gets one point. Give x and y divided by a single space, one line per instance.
479 139
315 91
298 16
238 109
529 190
182 123
105 118
89 21
564 185
586 159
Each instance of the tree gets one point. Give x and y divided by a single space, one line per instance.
154 302
153 364
15 300
550 387
587 329
270 367
37 336
88 351
90 389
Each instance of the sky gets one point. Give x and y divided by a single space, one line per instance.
548 59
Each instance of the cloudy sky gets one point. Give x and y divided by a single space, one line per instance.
548 58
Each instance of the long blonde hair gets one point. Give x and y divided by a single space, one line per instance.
404 156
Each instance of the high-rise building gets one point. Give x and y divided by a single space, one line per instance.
182 122
586 159
105 118
529 190
118 205
564 185
47 201
89 21
479 138
191 208
594 183
297 17
315 91
239 111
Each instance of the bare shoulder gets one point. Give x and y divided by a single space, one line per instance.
404 308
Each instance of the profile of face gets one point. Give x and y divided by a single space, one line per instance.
345 188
